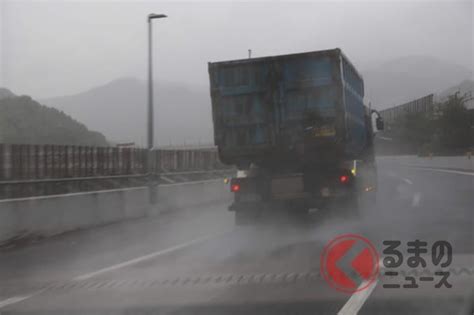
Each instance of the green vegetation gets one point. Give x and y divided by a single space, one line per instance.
449 129
455 127
25 121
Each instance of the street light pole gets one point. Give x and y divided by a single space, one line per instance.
150 129
150 118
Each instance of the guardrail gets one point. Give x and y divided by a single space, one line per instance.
19 161
35 170
11 189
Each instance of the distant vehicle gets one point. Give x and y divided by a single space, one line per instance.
298 131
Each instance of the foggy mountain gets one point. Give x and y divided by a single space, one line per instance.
183 113
465 87
118 109
6 93
403 79
25 121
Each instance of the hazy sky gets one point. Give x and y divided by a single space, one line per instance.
52 48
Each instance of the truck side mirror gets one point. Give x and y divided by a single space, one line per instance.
379 123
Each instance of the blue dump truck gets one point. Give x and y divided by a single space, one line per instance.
297 129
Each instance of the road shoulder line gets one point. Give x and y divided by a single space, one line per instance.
357 300
142 258
443 170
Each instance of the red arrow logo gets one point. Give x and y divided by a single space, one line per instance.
349 260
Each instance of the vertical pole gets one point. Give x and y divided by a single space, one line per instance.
150 140
150 88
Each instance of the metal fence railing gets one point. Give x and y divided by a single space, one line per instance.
24 162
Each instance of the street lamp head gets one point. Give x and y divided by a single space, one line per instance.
156 16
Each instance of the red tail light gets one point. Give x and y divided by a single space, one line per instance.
344 179
234 187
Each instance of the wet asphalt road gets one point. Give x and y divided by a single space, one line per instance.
195 261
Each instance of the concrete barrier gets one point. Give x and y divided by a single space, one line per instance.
183 195
36 217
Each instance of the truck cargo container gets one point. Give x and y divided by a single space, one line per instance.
297 129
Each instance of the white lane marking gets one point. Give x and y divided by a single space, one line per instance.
443 170
402 188
194 182
19 298
394 175
357 300
167 179
141 258
416 199
14 300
